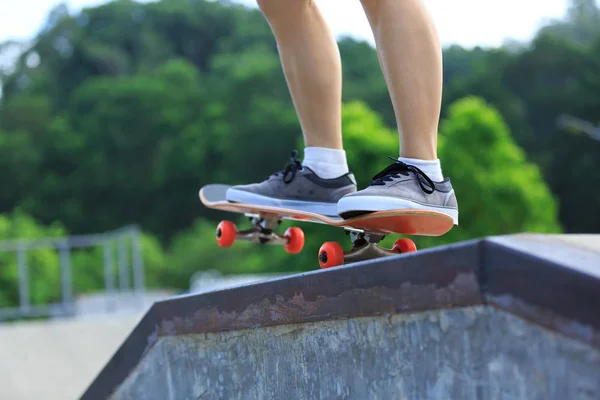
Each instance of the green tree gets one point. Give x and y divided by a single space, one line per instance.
363 79
125 140
555 74
20 161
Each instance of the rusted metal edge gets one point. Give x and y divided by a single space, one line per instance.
414 282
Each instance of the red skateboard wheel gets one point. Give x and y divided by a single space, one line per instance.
295 240
331 254
404 245
226 233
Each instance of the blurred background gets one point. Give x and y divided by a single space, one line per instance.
114 113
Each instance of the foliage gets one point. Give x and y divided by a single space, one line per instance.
88 265
120 113
42 264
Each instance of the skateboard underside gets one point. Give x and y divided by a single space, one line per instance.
365 231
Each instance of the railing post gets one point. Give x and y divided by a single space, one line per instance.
123 264
109 279
24 302
138 263
66 276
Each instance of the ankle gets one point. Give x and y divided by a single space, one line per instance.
432 168
326 163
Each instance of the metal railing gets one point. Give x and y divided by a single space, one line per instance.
570 122
64 245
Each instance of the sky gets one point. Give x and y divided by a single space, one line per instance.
465 22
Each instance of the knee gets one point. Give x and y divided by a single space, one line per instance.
274 8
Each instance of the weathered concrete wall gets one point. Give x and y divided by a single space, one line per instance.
475 353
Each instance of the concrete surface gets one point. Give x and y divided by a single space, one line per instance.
469 353
56 360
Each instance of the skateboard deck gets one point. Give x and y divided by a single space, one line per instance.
366 230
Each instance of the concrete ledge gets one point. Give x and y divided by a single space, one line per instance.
547 280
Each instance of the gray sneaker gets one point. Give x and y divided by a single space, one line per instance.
296 187
401 186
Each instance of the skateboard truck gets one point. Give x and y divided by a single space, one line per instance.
364 247
364 244
262 232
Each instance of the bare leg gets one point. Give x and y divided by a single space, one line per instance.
312 67
411 60
410 57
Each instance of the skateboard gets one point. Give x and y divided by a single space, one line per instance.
365 231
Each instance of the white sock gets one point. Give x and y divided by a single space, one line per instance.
326 163
432 168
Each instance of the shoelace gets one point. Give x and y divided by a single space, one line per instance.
399 168
289 172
